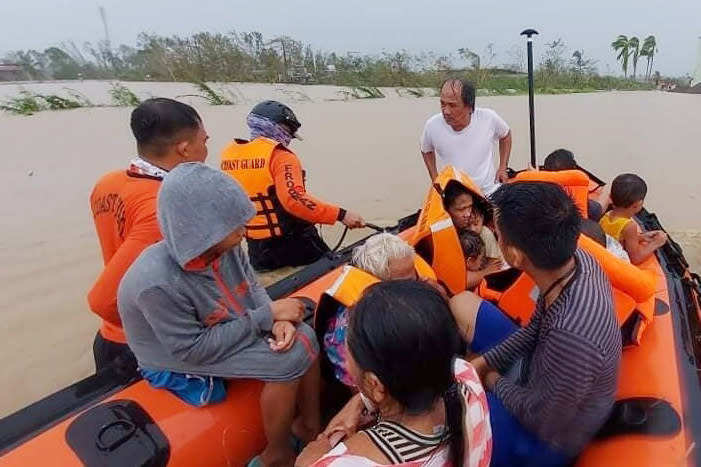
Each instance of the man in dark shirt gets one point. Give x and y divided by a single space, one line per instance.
571 349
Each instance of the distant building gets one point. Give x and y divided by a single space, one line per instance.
12 72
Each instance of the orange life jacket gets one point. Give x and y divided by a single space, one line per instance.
248 162
423 269
594 189
633 292
513 292
575 182
349 287
435 236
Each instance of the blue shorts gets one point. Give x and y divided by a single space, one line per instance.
492 327
512 443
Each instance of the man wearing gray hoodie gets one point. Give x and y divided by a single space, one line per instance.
191 305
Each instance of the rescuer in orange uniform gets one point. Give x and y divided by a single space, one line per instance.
283 231
123 205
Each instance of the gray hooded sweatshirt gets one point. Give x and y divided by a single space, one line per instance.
182 315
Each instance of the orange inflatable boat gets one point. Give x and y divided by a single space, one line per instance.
116 418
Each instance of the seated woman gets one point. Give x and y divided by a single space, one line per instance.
448 209
386 257
403 346
382 257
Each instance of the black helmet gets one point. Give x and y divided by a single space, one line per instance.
278 113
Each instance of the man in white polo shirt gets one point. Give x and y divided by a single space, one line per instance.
463 136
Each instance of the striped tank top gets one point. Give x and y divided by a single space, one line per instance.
402 444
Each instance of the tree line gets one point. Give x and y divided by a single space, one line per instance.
250 57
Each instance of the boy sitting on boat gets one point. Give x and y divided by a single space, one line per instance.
594 231
194 313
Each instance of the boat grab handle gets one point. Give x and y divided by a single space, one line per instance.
129 429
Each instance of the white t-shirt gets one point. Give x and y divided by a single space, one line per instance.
470 150
613 246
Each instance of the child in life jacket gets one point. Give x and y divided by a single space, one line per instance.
628 193
476 259
480 217
594 231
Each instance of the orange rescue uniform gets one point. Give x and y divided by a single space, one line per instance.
124 211
272 176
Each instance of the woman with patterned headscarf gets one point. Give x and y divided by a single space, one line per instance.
283 231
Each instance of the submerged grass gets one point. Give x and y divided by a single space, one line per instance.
25 104
122 96
366 92
79 97
54 102
209 94
212 96
28 103
411 92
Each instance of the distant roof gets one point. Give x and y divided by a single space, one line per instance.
10 67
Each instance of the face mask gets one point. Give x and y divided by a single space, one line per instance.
369 405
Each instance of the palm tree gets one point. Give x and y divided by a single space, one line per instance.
634 45
648 50
622 46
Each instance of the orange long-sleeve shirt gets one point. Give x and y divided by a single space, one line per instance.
288 175
124 211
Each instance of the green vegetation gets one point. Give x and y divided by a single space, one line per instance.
248 57
79 98
366 92
210 95
648 50
122 96
627 47
28 103
411 92
54 102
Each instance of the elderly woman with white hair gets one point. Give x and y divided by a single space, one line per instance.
382 257
386 257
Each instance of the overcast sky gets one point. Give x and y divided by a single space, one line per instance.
441 26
